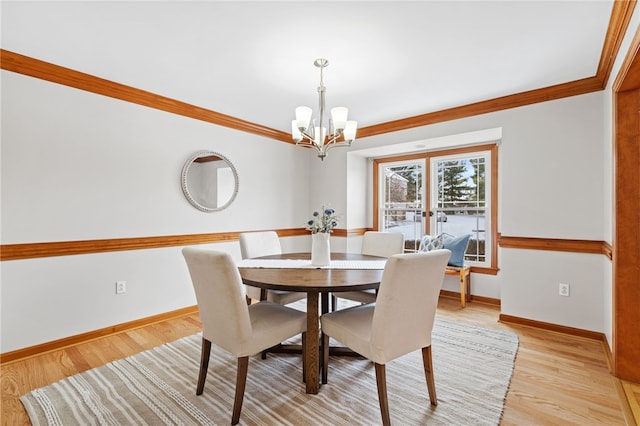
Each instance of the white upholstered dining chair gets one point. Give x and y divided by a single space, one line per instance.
374 243
398 323
228 322
265 243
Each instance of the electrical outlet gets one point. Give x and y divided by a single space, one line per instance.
121 287
563 290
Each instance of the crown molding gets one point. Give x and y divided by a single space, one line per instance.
15 62
621 14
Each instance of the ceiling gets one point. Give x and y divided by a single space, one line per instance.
254 60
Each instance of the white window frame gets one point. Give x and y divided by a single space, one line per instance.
434 201
490 149
382 191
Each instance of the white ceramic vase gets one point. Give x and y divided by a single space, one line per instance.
320 249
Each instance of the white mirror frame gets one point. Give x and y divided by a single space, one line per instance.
185 186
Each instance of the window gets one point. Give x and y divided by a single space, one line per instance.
460 194
442 192
403 198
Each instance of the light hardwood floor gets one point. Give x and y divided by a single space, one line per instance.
558 379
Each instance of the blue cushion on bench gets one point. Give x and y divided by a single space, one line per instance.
457 245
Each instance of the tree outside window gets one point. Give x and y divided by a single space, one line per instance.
461 198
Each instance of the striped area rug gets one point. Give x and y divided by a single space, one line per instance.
473 368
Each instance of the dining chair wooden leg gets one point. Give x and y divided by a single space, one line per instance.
381 379
204 365
325 358
334 302
427 361
241 381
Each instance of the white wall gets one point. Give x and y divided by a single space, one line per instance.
550 186
79 166
94 167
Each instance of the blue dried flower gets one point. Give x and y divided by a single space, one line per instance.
324 222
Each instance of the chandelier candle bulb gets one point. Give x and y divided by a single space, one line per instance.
303 117
320 135
339 117
295 132
350 131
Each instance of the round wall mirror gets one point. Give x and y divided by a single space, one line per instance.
209 181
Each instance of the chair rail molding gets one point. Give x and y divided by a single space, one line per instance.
68 248
556 244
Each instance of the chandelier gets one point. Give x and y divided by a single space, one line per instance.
309 134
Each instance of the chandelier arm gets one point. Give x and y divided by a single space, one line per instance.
308 135
339 145
307 141
307 144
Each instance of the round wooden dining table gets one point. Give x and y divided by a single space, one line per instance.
317 283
